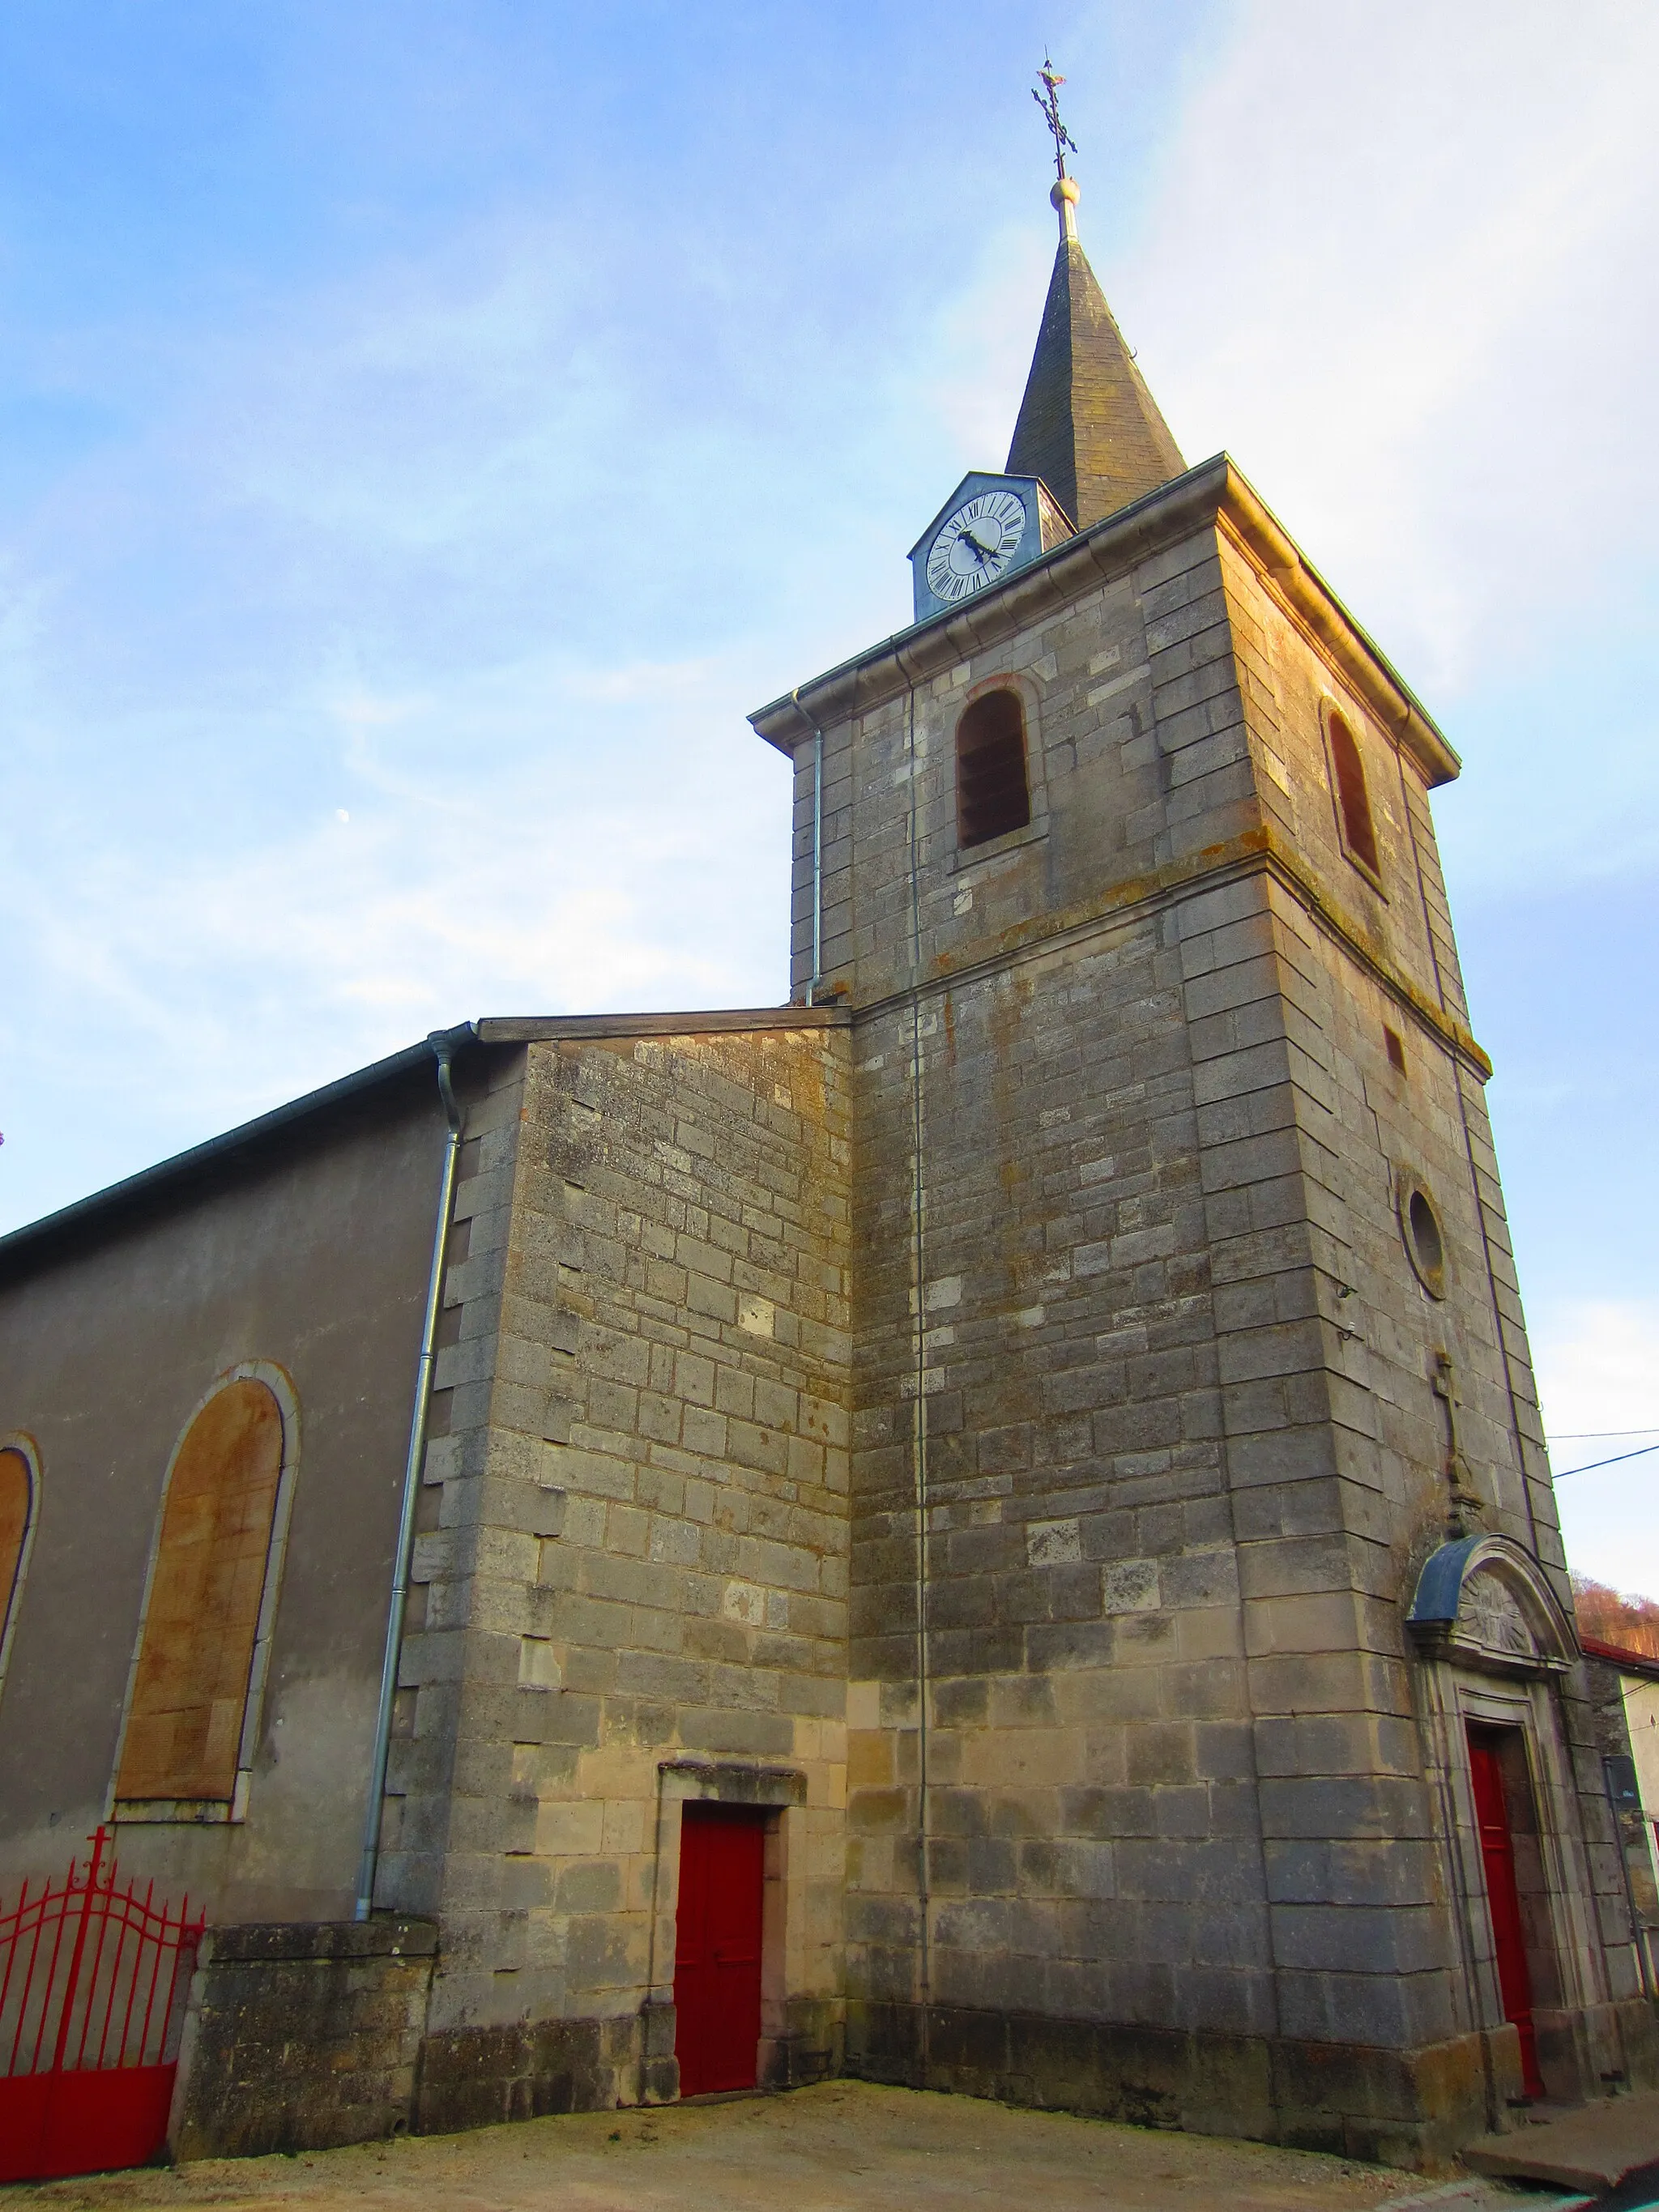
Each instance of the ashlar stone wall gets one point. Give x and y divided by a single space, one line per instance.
635 1588
1356 962
1148 1443
299 2035
1095 1846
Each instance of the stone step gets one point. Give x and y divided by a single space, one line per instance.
1590 2147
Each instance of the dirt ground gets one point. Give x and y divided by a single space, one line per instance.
846 2147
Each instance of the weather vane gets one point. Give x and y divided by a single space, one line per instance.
1049 101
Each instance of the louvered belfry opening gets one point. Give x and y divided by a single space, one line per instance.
1359 831
993 794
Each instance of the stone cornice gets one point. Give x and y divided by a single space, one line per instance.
1256 852
1215 494
550 1029
1310 601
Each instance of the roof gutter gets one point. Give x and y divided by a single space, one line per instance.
816 977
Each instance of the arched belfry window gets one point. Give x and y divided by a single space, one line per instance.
211 1600
992 793
1353 805
17 1510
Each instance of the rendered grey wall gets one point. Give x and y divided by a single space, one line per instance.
312 1253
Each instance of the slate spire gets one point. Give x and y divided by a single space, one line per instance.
1087 426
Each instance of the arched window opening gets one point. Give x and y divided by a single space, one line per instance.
190 1684
16 1519
993 795
1353 803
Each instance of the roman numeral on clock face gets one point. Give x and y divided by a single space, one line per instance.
975 545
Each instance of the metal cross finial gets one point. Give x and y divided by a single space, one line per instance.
1048 100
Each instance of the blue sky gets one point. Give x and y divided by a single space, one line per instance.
426 430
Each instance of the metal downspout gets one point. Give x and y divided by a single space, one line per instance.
918 1432
445 1044
816 977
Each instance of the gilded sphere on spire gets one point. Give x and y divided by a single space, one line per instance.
1065 188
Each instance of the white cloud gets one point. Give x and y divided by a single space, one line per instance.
1598 1370
1405 266
1598 1366
489 549
546 836
385 722
973 363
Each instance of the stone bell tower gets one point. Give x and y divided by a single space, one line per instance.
1205 1568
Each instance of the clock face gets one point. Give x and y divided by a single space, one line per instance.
975 545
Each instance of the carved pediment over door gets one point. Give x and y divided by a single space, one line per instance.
1486 1602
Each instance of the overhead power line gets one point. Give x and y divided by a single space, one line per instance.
1590 1466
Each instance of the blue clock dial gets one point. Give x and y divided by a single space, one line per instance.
974 546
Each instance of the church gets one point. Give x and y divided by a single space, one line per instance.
987 1528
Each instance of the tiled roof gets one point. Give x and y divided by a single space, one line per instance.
1088 426
1620 1655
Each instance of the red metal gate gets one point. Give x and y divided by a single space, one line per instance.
92 1980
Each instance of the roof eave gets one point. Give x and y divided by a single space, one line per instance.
719 1021
1619 1656
180 1166
512 1029
1212 490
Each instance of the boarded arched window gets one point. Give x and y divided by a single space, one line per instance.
993 795
202 1619
1354 804
16 1523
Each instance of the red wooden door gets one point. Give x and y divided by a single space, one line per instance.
717 1955
1504 1901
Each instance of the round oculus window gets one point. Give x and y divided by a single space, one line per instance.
1426 1247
